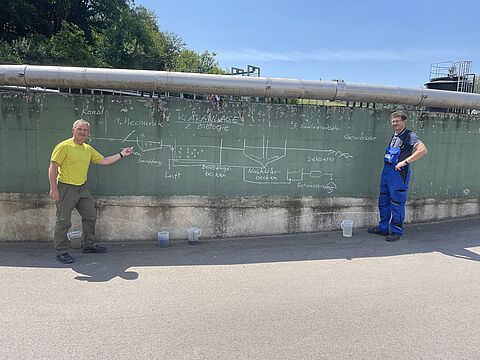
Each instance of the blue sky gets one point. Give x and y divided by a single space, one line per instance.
373 42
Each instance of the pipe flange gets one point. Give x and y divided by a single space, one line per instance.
423 97
268 87
341 90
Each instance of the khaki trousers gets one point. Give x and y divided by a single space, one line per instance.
78 197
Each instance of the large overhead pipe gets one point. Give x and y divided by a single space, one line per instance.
146 80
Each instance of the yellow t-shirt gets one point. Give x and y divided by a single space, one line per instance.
73 161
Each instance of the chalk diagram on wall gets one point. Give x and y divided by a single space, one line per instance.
260 162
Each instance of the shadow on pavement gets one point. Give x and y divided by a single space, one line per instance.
452 238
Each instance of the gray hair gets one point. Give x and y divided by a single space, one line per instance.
80 122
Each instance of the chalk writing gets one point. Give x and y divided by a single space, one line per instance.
260 161
329 187
126 121
360 137
317 158
150 162
214 127
215 174
263 171
172 175
210 117
295 126
215 168
87 111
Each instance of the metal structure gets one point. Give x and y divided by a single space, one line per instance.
251 71
121 79
456 72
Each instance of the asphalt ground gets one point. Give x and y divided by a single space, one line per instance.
304 296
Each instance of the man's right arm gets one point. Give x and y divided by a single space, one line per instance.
52 178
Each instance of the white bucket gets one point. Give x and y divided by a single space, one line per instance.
193 235
75 238
347 226
163 238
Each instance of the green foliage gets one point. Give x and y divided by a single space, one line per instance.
107 33
31 50
191 61
135 42
25 18
293 101
7 55
69 47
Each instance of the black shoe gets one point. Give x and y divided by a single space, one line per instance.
393 237
97 249
65 258
375 230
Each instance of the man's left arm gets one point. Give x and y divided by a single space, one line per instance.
115 157
420 150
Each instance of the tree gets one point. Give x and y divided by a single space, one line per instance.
25 18
111 33
31 50
135 41
104 13
69 47
191 61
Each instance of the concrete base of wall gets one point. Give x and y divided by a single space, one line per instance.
31 217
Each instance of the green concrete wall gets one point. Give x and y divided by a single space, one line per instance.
189 147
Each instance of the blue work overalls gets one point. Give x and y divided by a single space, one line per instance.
394 186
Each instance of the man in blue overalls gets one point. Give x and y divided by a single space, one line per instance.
404 148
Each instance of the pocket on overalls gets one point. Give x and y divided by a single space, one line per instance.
391 155
399 196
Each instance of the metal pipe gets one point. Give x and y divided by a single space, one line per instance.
147 80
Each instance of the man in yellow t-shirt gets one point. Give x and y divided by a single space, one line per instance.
67 175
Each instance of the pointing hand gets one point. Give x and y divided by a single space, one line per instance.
127 151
